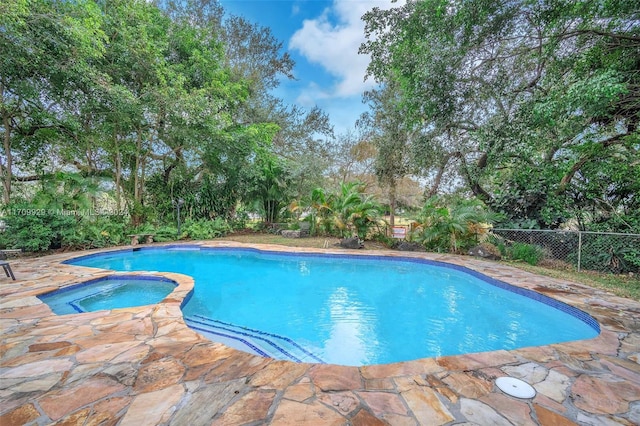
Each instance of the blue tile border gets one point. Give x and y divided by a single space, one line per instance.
112 277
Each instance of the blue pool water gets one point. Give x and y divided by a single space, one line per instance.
111 292
352 310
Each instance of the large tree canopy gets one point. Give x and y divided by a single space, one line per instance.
535 103
157 100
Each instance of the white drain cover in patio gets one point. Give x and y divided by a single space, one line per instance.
515 387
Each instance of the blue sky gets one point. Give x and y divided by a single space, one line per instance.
323 38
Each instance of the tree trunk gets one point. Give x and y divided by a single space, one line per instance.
438 179
136 175
392 203
6 171
118 164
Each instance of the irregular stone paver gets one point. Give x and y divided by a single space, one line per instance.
547 417
382 403
38 385
605 394
555 386
335 377
467 385
291 413
480 413
278 374
250 408
144 366
57 404
158 375
20 416
530 372
208 402
36 369
426 407
365 418
344 402
105 412
299 392
153 408
106 352
515 410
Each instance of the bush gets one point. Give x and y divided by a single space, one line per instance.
96 232
240 220
499 242
529 253
382 238
451 225
165 233
609 253
206 229
33 229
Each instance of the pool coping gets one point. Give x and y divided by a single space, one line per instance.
594 380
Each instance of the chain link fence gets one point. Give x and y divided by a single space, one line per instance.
596 251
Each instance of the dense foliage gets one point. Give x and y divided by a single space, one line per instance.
531 106
346 212
452 225
147 103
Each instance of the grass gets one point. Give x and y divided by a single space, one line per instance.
258 238
620 285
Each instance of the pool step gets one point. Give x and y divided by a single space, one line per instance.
250 340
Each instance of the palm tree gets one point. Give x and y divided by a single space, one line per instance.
354 211
271 187
453 227
318 207
366 215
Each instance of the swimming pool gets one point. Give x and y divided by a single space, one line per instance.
352 310
110 292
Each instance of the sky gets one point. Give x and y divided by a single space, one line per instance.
323 38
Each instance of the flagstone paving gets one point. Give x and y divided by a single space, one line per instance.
144 366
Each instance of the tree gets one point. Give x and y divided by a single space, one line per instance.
517 93
48 51
451 225
391 134
270 186
354 211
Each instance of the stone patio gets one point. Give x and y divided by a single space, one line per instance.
144 366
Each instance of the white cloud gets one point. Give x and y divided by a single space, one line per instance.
332 41
310 95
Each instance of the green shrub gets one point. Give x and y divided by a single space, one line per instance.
529 253
608 253
240 220
451 225
499 243
165 233
632 256
382 238
205 229
94 232
34 229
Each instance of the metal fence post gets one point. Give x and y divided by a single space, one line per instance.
579 248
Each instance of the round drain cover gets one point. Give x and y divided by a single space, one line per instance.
515 387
